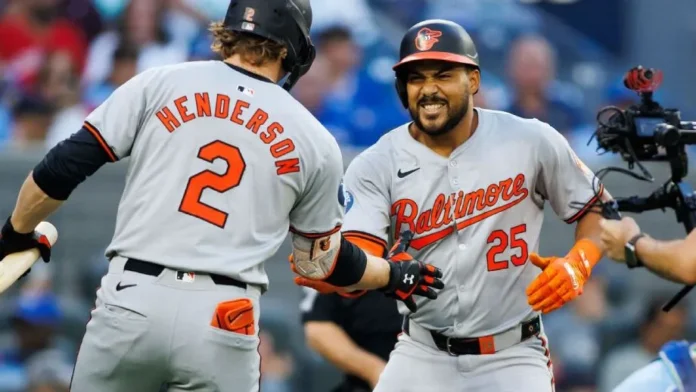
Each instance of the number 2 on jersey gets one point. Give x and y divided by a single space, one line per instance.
191 202
504 240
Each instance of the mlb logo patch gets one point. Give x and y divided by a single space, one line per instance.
245 90
185 276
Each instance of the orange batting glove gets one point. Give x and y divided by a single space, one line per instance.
320 286
562 278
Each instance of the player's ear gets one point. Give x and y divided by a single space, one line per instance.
474 76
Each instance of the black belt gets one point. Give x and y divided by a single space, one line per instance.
473 346
147 268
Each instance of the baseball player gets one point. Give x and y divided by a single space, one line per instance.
673 371
223 164
470 185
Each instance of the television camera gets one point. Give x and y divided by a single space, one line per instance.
648 132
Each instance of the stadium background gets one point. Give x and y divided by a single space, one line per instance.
61 58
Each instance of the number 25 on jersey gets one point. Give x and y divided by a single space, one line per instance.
507 241
191 201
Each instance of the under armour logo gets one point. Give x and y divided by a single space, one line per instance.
408 279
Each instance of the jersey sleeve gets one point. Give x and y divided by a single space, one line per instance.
564 180
319 210
115 122
366 192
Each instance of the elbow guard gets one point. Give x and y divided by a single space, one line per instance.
68 164
332 259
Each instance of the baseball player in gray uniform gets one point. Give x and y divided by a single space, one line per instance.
223 164
469 185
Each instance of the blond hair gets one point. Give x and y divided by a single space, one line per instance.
253 49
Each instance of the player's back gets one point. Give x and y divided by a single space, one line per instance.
219 158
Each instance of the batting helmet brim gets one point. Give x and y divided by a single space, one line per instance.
443 56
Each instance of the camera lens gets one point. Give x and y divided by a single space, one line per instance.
648 74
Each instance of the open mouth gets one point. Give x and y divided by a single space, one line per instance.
432 107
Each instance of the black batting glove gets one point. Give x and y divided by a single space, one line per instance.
13 242
409 277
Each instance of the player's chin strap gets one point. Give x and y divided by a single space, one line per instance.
676 356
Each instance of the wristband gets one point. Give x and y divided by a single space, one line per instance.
586 253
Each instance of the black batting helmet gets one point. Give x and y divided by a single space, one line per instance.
434 39
284 21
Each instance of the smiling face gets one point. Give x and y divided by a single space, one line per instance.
439 94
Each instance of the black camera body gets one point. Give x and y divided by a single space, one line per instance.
645 131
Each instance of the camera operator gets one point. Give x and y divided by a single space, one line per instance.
674 260
649 132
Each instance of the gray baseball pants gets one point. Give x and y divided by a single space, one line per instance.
418 366
156 331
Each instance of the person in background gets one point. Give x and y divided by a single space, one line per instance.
32 116
59 84
356 335
142 23
312 89
124 67
48 372
84 15
29 30
531 67
656 329
34 323
7 92
358 107
341 58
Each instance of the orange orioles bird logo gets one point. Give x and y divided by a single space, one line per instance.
325 243
426 38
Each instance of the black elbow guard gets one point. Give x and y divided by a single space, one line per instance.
68 164
349 266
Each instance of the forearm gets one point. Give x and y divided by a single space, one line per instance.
51 182
669 259
376 274
33 206
350 268
588 238
332 343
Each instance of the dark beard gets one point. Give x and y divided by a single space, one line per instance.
455 116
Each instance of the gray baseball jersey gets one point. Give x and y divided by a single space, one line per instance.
222 164
476 215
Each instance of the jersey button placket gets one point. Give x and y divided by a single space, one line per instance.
454 179
461 285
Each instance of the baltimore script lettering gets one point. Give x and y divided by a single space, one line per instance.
464 209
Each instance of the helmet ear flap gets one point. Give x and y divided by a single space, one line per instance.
401 91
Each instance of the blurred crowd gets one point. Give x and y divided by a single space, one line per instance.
59 59
65 57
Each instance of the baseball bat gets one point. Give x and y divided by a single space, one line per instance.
16 264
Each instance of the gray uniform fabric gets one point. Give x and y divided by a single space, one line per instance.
476 215
222 165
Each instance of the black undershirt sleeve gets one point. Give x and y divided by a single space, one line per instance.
69 163
349 266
